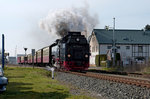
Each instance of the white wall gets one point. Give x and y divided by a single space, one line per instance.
92 57
125 54
93 44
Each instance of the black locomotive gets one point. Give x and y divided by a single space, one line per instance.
73 52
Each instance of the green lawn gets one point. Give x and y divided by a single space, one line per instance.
29 83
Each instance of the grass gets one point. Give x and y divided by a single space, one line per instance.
146 70
29 83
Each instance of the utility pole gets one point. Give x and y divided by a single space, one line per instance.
16 53
114 30
114 45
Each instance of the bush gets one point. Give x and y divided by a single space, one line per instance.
100 60
97 63
103 57
149 60
103 63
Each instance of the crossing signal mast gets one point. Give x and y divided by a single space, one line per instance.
25 58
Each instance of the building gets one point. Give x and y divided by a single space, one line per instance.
12 60
133 45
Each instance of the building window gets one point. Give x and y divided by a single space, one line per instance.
108 47
93 39
127 47
118 47
96 48
93 49
140 49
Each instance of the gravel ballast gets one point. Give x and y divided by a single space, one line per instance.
104 88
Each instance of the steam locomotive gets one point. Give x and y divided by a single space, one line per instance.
72 53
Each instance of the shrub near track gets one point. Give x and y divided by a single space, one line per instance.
29 83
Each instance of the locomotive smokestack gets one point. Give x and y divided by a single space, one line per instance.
61 21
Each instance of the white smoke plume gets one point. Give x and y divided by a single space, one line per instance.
61 21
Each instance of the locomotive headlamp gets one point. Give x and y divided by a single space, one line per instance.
69 55
78 39
86 56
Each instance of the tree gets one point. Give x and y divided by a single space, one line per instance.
147 27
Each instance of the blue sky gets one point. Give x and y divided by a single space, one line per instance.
19 19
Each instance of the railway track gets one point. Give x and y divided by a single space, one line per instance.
130 74
141 82
139 75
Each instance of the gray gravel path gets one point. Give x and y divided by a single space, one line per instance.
104 88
